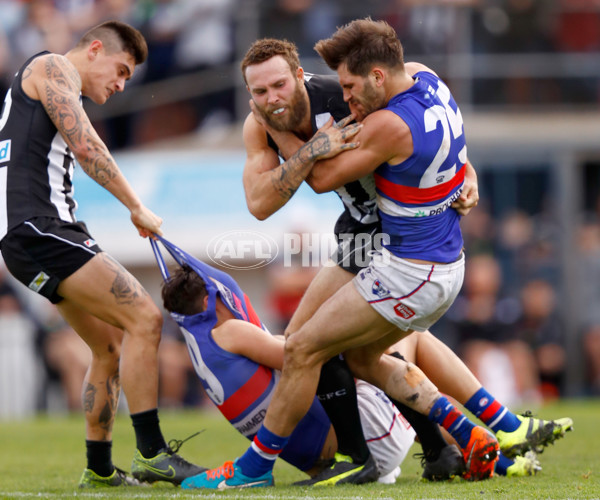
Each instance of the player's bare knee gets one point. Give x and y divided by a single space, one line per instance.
298 352
108 356
148 322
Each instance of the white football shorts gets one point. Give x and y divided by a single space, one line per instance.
411 296
388 434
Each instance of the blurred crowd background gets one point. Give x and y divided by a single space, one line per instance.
525 74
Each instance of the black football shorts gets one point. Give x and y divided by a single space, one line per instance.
354 246
43 251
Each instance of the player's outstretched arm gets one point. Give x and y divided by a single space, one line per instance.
56 83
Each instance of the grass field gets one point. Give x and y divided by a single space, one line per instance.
44 457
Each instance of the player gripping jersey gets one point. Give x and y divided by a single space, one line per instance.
241 388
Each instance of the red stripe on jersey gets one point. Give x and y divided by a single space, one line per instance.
247 394
252 316
240 307
490 411
416 195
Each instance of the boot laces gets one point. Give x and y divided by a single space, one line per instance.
225 470
175 444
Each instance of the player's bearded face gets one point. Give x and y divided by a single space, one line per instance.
297 107
366 102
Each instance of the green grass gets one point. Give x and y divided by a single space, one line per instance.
44 457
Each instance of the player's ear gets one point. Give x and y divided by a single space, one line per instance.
300 73
378 75
94 49
205 302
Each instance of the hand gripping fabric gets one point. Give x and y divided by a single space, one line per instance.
217 283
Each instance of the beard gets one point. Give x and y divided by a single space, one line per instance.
369 101
297 110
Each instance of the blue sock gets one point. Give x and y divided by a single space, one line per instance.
264 450
503 464
445 413
497 417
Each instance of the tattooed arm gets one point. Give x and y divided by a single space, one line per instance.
55 82
267 183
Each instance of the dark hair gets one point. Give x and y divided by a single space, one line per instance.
184 291
264 49
117 36
361 44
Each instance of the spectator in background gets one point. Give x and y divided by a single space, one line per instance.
526 249
19 380
479 230
45 335
484 325
588 240
42 28
302 21
206 42
578 31
11 15
591 346
287 285
515 233
541 327
66 356
290 276
189 37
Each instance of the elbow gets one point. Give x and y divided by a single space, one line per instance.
319 187
320 190
260 215
259 211
320 183
80 152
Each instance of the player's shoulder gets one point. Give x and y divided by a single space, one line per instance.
384 129
325 95
46 61
252 131
412 68
51 66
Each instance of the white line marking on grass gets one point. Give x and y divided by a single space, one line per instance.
24 494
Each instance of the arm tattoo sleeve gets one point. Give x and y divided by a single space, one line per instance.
60 98
293 172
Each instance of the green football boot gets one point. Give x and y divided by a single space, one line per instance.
89 479
533 434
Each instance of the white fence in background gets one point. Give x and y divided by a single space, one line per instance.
19 367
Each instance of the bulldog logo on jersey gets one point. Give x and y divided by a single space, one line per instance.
89 243
379 290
